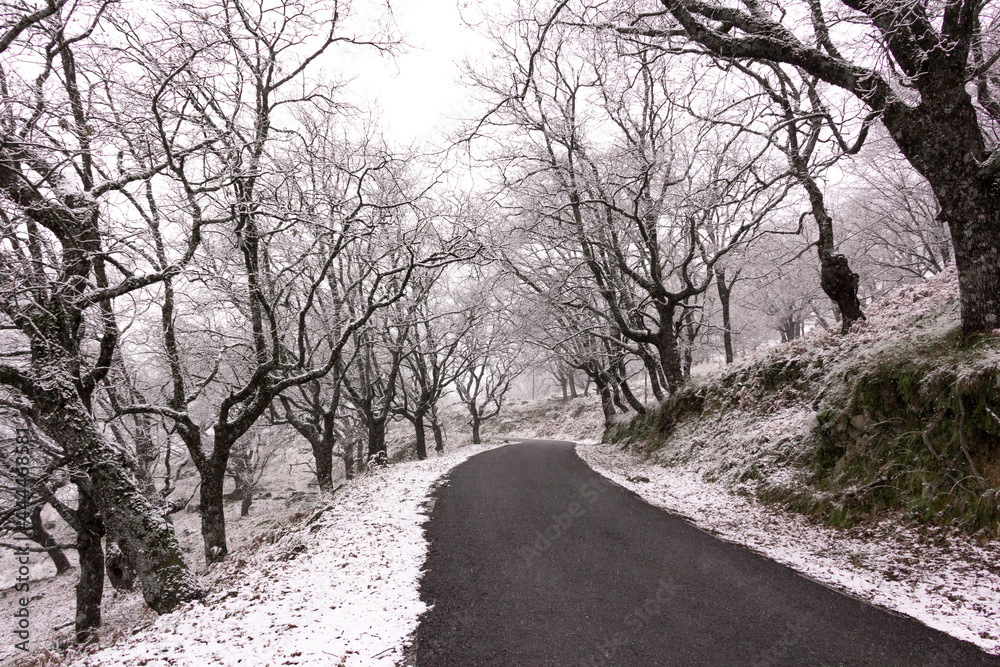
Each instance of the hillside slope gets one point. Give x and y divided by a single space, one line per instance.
898 418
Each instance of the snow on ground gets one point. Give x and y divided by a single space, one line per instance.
945 581
286 488
911 313
552 418
340 588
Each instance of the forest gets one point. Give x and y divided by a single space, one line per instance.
210 248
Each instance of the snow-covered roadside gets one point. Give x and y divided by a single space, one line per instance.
339 589
947 583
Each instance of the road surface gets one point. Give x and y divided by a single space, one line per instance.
535 559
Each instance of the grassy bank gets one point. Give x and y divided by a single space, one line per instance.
900 416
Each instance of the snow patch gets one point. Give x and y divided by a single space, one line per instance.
341 588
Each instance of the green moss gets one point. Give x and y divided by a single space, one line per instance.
867 454
654 429
888 465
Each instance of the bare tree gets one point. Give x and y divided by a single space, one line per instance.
894 220
656 198
432 363
802 126
373 381
247 464
912 71
65 265
293 226
384 272
725 280
491 360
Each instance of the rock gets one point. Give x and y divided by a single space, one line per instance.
292 553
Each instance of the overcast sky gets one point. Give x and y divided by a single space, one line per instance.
417 91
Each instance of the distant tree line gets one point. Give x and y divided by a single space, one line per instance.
668 167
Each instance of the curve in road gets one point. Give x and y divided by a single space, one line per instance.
535 559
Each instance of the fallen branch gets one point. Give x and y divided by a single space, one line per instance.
992 414
961 441
926 435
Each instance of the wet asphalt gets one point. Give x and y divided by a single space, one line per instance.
535 559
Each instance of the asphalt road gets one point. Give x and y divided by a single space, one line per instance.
537 560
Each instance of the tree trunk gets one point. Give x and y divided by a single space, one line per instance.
616 394
563 382
145 535
841 285
973 214
213 513
121 574
245 489
572 385
725 292
376 441
148 454
836 278
323 456
634 402
438 433
141 472
145 450
691 335
653 371
791 328
418 427
943 140
90 586
476 424
323 452
350 463
47 542
607 401
670 358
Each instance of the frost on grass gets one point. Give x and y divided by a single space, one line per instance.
945 581
550 418
841 424
340 588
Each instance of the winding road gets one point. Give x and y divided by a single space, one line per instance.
535 559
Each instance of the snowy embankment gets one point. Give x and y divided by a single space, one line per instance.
950 583
579 419
340 588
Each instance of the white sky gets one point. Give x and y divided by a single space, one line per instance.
417 92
